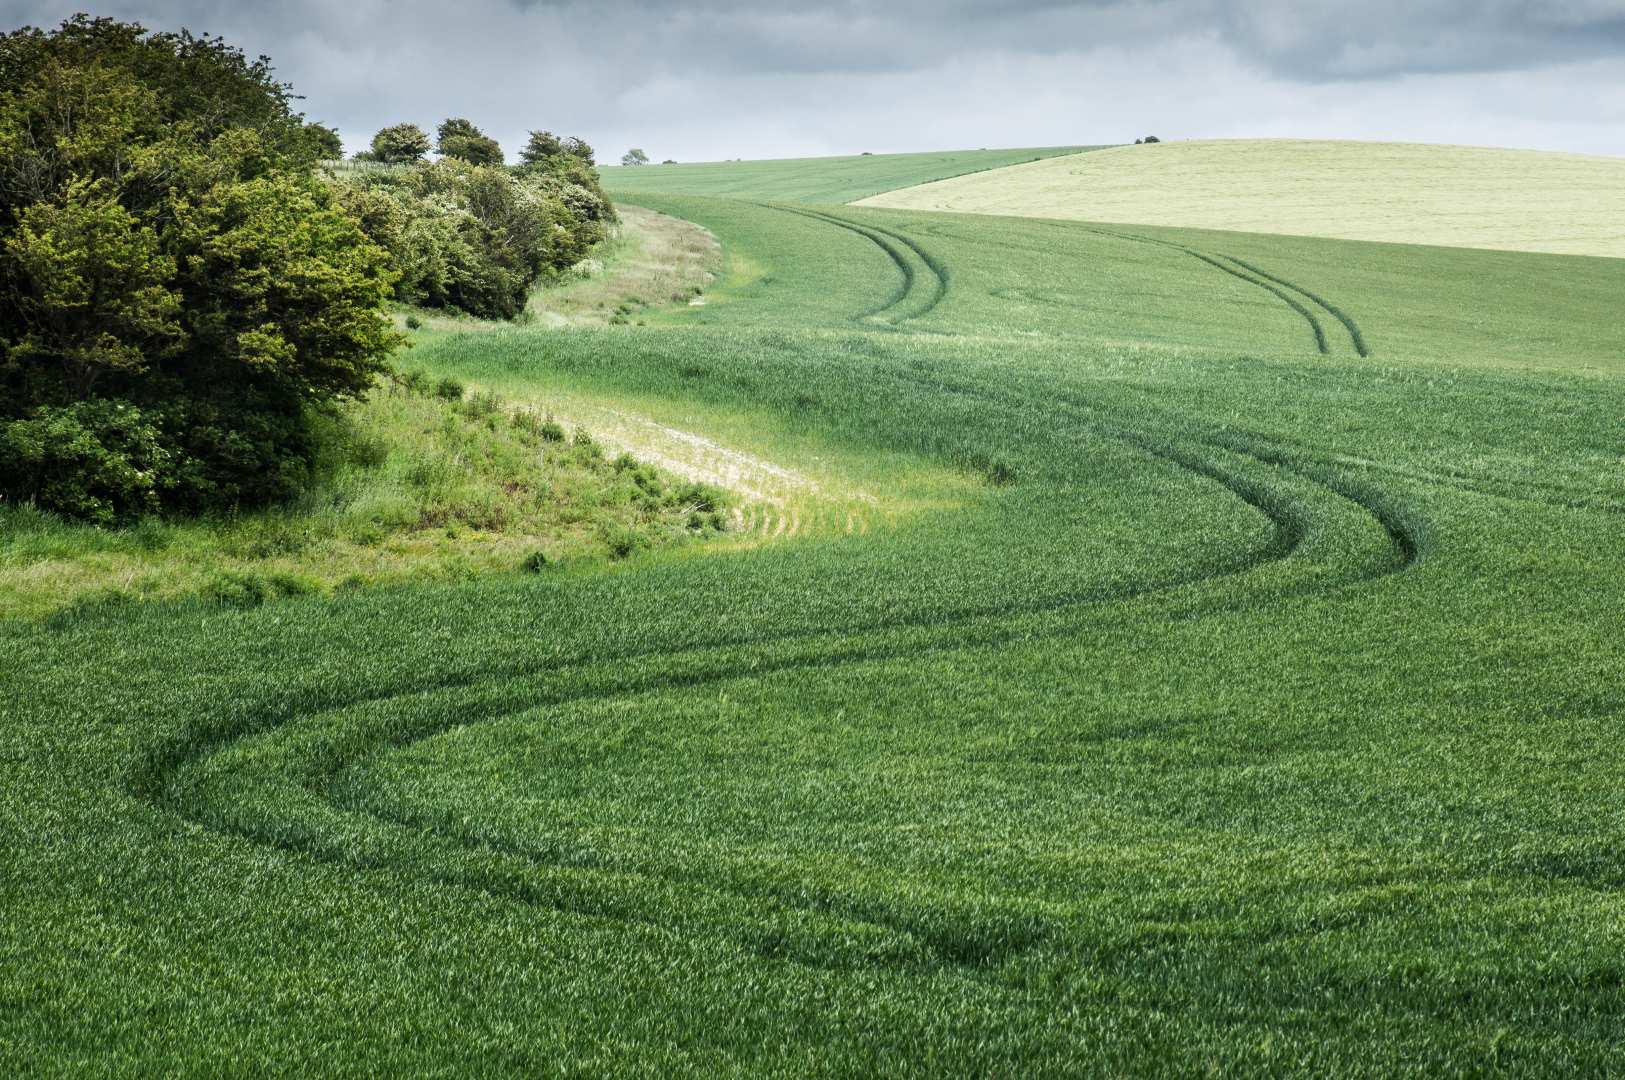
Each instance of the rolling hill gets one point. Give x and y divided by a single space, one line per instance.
1205 658
1520 200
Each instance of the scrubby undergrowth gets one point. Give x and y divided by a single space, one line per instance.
421 481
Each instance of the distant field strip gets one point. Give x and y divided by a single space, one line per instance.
819 181
1520 200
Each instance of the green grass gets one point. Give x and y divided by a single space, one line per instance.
1223 704
814 180
1459 196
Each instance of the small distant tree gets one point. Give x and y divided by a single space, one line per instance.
634 157
1137 142
400 144
540 147
578 148
669 161
460 139
1152 139
324 141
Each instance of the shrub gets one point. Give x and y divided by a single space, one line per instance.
480 405
534 563
413 382
448 390
414 323
96 461
173 276
478 238
325 144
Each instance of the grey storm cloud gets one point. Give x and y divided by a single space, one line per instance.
749 77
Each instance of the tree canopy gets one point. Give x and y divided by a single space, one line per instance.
177 288
400 144
460 139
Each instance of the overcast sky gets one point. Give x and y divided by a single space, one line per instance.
713 79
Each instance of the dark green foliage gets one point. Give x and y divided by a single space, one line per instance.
324 142
449 390
1152 139
460 139
97 461
541 146
634 157
165 247
400 144
579 149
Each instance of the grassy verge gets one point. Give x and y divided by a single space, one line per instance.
423 483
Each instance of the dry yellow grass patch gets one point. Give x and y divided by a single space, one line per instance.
1456 196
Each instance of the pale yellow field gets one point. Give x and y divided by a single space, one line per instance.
1522 200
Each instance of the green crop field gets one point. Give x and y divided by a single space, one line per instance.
1517 200
1206 658
829 180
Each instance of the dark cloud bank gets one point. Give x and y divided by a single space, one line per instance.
730 78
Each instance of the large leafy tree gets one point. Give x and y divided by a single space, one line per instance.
177 289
